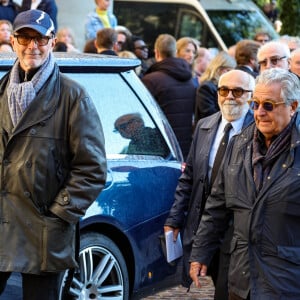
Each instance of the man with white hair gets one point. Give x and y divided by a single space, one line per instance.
234 89
258 186
273 54
295 62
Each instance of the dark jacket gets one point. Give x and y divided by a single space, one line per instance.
192 189
52 162
247 70
8 12
206 100
266 240
170 83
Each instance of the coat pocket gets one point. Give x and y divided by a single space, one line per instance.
58 245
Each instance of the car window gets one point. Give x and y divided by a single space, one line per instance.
127 126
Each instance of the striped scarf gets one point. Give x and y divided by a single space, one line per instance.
20 95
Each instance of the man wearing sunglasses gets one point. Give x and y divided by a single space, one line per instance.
273 54
258 183
53 162
235 88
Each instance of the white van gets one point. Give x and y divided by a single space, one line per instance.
216 23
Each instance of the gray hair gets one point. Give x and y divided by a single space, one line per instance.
290 83
282 47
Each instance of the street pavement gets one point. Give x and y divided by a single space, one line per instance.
206 292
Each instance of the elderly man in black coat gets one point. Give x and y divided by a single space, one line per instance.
234 89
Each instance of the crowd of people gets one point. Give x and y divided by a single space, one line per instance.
235 115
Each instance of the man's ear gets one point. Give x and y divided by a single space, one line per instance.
294 106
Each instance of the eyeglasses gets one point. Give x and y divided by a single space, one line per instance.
25 40
141 48
273 60
236 92
123 126
267 105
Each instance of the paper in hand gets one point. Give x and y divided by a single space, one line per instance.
174 249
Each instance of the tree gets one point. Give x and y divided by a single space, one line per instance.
289 16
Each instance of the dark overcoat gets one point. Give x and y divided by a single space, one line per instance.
52 167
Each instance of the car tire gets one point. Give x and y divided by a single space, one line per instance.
102 271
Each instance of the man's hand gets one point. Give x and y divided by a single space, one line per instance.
175 231
197 269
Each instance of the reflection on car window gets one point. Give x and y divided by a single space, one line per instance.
127 126
143 140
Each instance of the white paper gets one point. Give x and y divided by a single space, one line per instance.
174 249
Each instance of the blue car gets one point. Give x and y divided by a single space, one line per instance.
121 255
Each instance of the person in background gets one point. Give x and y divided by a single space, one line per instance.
6 47
129 54
90 46
123 39
206 94
295 62
273 54
53 141
169 80
235 88
105 41
201 62
293 42
246 56
141 50
271 11
262 37
258 185
60 47
187 49
8 10
5 31
48 6
66 35
98 19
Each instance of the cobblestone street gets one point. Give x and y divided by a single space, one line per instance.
179 293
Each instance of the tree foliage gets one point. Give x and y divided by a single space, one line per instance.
289 16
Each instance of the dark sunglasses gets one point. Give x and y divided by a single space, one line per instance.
25 40
267 105
274 61
123 126
236 92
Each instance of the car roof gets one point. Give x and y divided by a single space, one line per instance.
83 62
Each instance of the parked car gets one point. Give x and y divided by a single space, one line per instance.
120 247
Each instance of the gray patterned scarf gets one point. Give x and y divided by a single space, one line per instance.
20 95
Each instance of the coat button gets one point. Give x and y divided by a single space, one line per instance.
66 199
28 164
5 162
27 194
32 131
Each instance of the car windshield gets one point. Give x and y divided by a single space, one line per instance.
234 26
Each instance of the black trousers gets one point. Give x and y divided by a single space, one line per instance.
36 287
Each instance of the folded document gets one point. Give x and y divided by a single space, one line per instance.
174 249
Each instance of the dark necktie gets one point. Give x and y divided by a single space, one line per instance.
220 153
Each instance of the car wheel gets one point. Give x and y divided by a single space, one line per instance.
102 271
